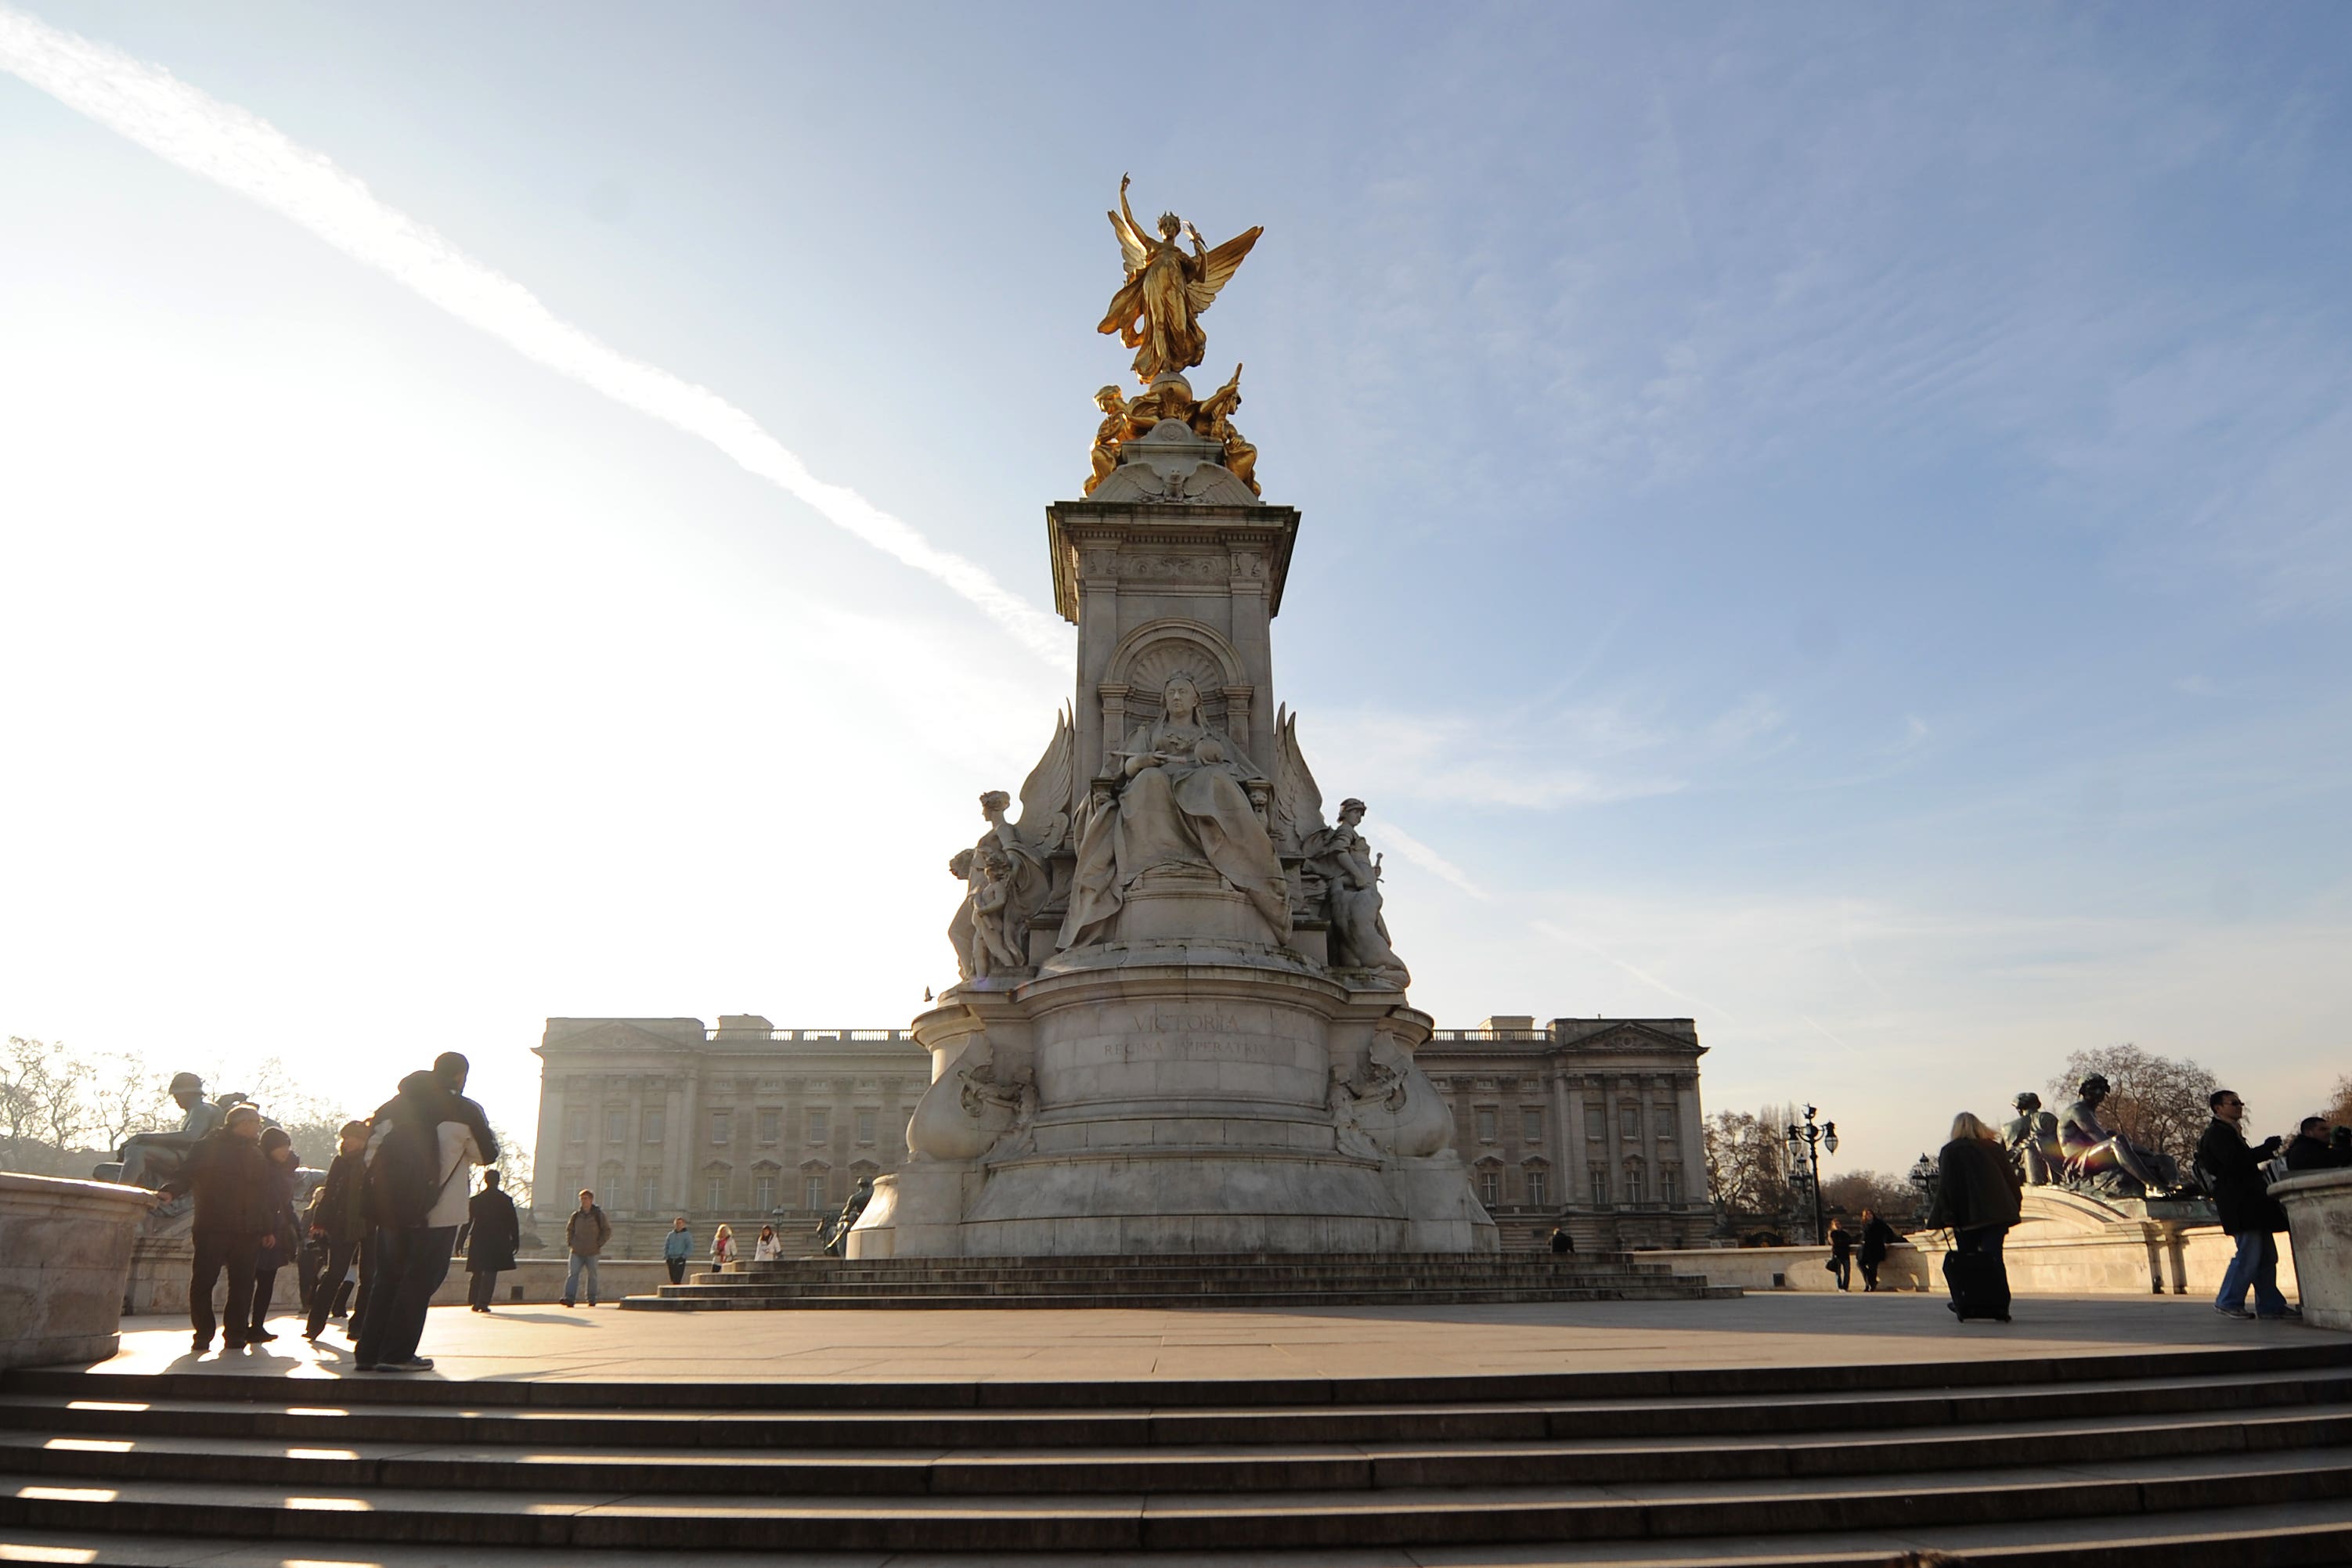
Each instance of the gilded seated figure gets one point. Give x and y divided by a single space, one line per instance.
1183 804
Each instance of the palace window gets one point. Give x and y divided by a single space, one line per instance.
1600 1175
772 1126
1539 1187
866 1126
648 1194
721 1123
1670 1181
820 1124
714 1191
1530 1124
1490 1187
764 1191
575 1127
1632 1181
1596 1126
653 1124
1486 1116
812 1190
617 1123
1665 1124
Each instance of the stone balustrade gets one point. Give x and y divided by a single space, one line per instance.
2318 1206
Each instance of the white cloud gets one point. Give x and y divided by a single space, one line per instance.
227 144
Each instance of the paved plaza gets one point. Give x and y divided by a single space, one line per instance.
1133 1344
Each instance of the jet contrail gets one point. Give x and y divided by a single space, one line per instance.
245 153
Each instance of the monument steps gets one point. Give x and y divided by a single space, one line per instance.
2144 1449
1277 1280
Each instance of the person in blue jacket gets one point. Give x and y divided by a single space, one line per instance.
677 1248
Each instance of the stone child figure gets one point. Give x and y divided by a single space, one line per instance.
1182 804
2032 1139
1360 935
995 947
2093 1152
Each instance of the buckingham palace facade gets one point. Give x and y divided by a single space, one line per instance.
1590 1124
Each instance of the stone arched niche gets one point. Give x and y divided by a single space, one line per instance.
1148 657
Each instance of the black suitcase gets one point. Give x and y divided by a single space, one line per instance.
1980 1285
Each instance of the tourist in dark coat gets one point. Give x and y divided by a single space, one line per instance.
1841 1254
1562 1241
283 1245
2311 1148
494 1232
1976 1195
339 1219
231 1178
2233 1176
414 1173
1878 1236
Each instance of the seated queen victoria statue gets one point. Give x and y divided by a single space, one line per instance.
1182 805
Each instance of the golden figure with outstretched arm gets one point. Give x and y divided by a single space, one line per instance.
1157 312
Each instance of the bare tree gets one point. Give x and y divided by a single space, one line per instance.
25 1090
1892 1196
127 1098
2339 1109
2156 1102
1746 1171
65 1120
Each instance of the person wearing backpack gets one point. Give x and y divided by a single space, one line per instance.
2232 1173
339 1218
419 1144
584 1236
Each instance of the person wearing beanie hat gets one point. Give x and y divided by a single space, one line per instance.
231 1178
280 1244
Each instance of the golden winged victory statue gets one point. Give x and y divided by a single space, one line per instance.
1157 312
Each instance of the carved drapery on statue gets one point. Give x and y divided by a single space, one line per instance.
1008 875
1184 805
1157 312
1350 874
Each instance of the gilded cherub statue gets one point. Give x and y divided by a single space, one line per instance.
1212 420
1107 435
1157 312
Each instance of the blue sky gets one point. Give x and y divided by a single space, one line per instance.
1828 520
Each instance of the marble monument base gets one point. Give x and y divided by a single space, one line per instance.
1210 1094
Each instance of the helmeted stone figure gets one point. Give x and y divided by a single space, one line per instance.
2032 1139
2098 1156
149 1159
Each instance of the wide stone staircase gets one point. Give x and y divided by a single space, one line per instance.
1282 1281
2234 1456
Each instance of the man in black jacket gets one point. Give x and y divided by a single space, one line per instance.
339 1218
2311 1150
231 1178
493 1232
409 1256
2234 1175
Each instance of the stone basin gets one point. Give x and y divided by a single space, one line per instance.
64 1253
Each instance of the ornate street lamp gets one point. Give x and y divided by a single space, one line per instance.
1806 1145
1922 1177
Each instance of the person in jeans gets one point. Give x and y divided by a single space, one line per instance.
339 1218
2233 1175
419 1144
1841 1254
677 1248
494 1231
231 1178
584 1236
1877 1237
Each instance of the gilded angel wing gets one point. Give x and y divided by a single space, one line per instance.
1297 801
1218 267
1045 798
1131 248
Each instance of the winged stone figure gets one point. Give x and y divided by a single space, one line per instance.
1297 800
1157 312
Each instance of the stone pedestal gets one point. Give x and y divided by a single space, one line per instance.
65 1252
2318 1206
